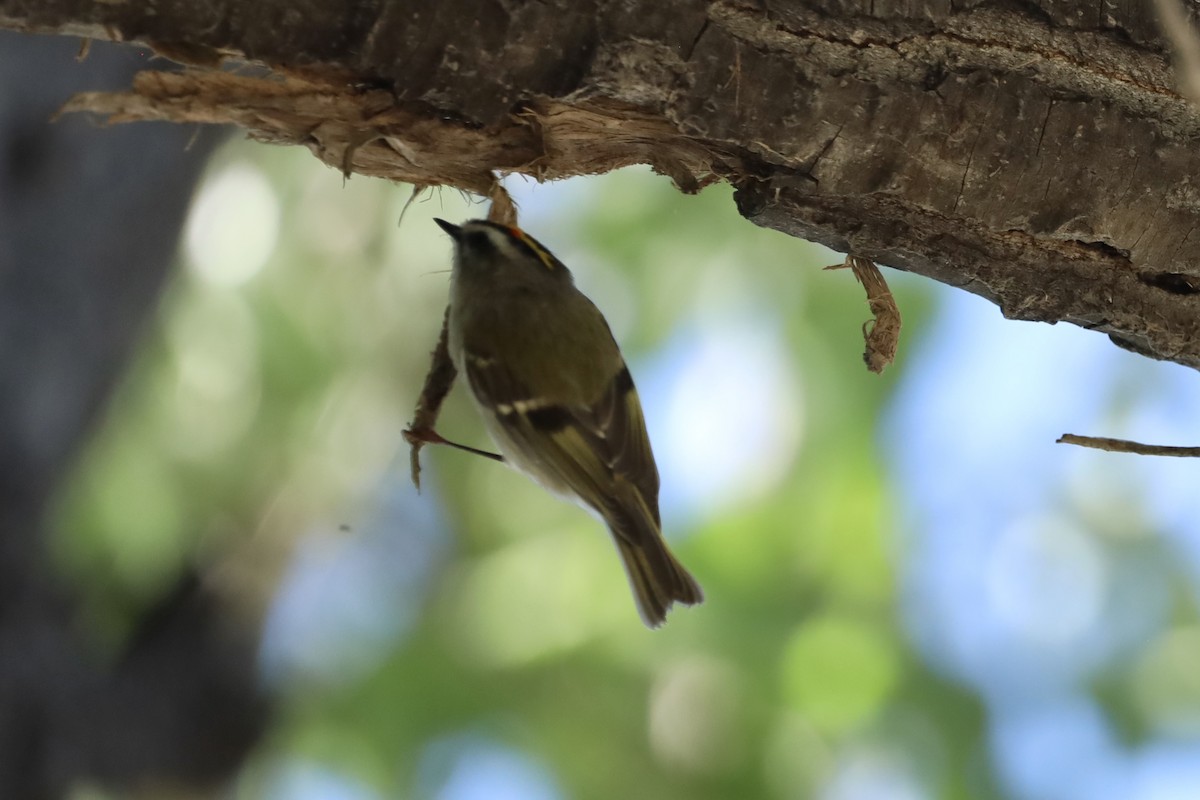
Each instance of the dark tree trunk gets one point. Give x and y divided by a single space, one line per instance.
88 225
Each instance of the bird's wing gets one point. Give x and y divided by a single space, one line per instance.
589 449
617 418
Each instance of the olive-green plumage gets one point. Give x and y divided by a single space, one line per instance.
556 396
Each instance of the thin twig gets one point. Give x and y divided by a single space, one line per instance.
1126 446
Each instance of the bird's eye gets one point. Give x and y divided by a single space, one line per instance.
478 241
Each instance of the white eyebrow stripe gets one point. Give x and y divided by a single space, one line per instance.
512 243
500 241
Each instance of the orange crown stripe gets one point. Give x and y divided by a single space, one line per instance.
541 252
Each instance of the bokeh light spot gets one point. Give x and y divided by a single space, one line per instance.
306 780
139 516
726 417
692 716
233 226
542 594
874 775
797 759
838 672
464 768
1047 580
214 342
1166 682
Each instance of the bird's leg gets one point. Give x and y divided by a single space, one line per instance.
421 436
437 386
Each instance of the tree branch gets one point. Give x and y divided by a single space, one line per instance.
1022 154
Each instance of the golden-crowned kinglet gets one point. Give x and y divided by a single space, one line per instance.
557 398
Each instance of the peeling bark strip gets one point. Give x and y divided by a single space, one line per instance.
368 132
882 332
1037 153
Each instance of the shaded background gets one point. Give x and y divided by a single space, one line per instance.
911 591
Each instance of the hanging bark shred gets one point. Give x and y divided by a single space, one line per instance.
503 209
882 334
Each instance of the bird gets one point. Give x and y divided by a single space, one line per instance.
557 398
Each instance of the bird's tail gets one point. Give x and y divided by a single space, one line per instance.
657 579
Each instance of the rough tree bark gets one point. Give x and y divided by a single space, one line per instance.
1036 153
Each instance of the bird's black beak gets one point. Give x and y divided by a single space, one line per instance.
450 228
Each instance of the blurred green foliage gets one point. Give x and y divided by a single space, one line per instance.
267 408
